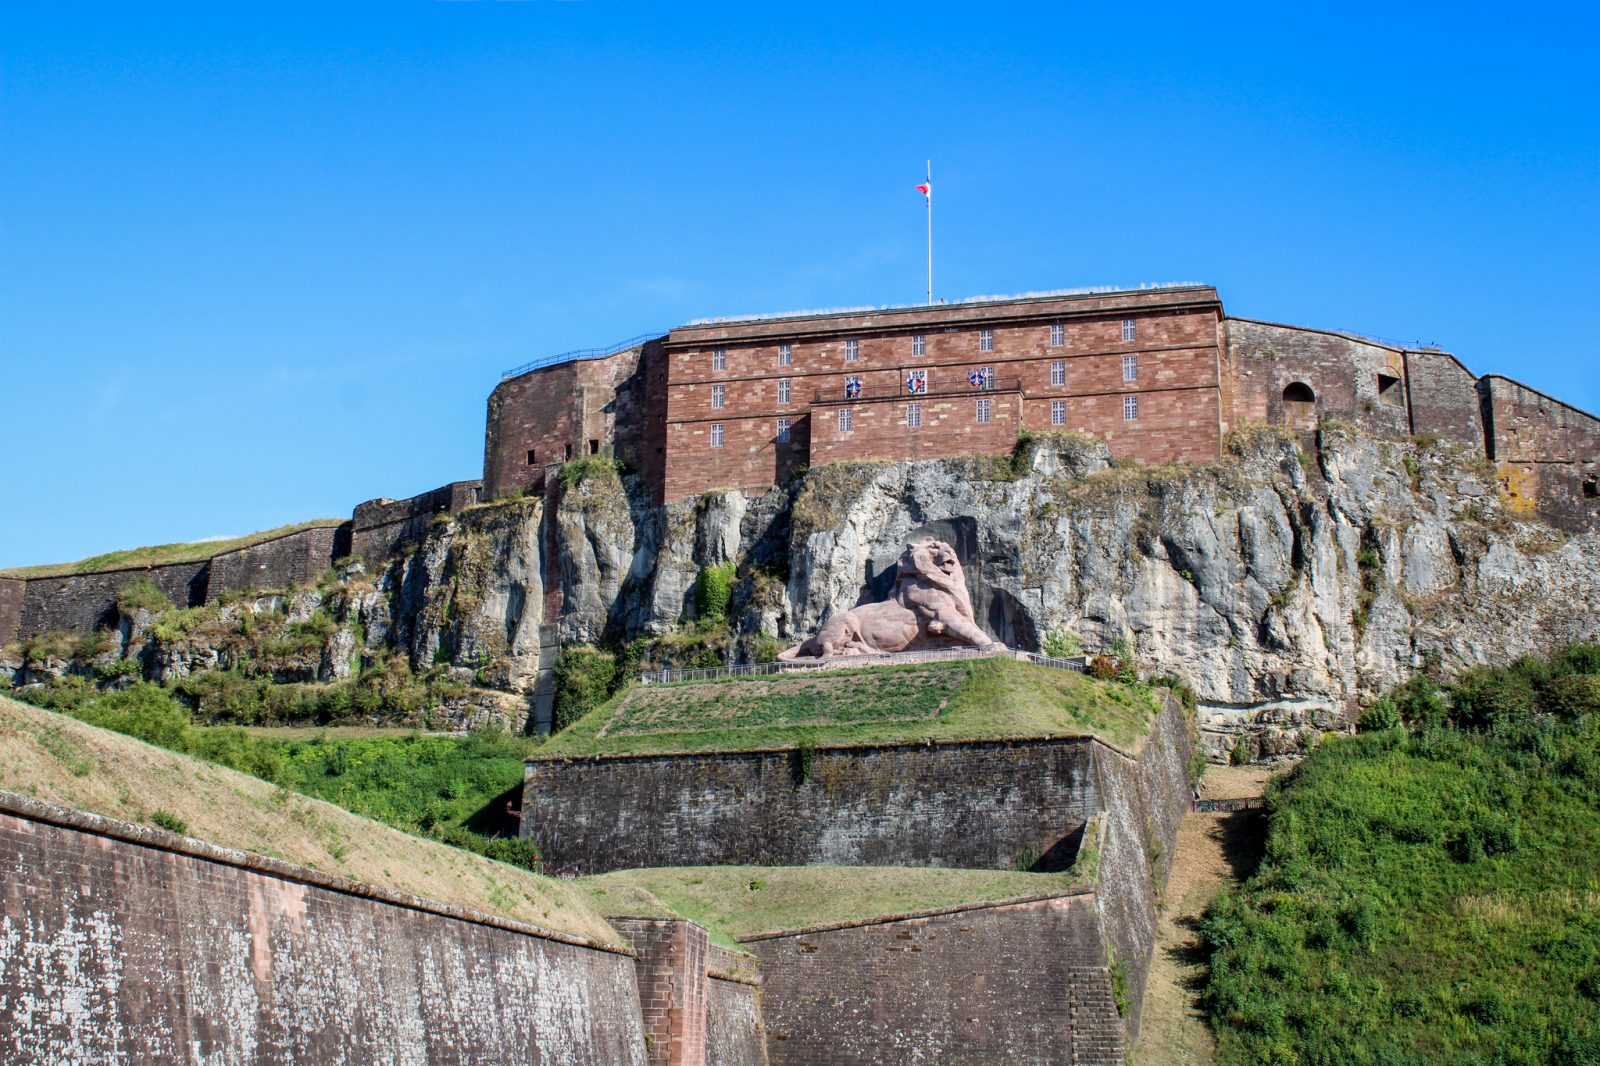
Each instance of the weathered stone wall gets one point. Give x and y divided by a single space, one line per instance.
1347 377
735 1034
1548 453
381 528
1022 983
82 602
1144 800
671 969
948 426
12 591
281 563
978 805
121 944
1444 398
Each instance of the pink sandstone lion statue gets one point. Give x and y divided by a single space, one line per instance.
929 607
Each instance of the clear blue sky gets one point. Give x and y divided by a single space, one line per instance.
260 262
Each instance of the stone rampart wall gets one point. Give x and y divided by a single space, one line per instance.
284 562
735 1034
122 944
12 591
84 602
1022 983
1444 398
380 529
978 805
1346 375
1548 453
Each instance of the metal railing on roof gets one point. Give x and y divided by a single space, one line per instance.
580 353
671 676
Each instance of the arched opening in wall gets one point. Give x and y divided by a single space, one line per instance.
1299 406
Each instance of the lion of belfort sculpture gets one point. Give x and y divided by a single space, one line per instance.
929 607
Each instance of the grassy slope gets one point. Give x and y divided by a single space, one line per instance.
157 554
59 760
994 698
736 901
1429 898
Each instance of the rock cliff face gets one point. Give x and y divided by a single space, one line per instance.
1286 585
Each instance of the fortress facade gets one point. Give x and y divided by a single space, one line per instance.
1160 374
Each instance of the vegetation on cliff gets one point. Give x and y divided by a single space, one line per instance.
983 699
1431 887
53 758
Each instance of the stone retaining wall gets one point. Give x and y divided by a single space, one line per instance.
123 944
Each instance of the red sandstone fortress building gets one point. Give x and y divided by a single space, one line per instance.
1160 374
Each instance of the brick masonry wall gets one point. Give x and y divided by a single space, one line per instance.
128 945
1444 398
381 529
1176 349
1548 453
735 1033
285 562
12 591
673 987
83 602
1024 983
950 426
1263 358
975 805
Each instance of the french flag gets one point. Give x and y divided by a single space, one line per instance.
926 189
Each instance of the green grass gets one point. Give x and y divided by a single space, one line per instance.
453 787
978 700
1427 896
158 554
739 901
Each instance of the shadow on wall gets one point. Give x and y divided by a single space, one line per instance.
998 612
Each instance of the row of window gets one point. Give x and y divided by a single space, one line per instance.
917 381
919 344
984 414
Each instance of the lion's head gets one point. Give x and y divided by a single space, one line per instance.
934 559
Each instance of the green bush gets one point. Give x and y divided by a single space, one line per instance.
585 678
590 466
1062 644
714 591
142 593
1382 714
170 822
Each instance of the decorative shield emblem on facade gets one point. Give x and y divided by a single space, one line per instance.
917 381
977 378
852 386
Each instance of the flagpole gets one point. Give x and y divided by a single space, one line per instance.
930 233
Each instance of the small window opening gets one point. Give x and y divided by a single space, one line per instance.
1591 488
1389 391
594 446
531 458
569 451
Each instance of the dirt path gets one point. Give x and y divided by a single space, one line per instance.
1214 851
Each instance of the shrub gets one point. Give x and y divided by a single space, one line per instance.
590 466
142 593
1381 714
714 591
170 822
1062 644
1103 667
585 678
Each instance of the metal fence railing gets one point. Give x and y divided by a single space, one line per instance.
579 353
674 676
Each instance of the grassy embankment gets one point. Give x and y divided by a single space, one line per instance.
1431 888
736 901
54 758
976 700
159 554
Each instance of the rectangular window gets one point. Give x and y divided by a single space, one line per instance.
1130 408
847 420
785 355
1129 330
1058 412
852 350
530 457
719 397
783 430
716 434
1130 368
985 414
986 340
1058 373
919 344
783 390
1058 335
913 416
719 359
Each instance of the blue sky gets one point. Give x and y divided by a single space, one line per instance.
260 262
